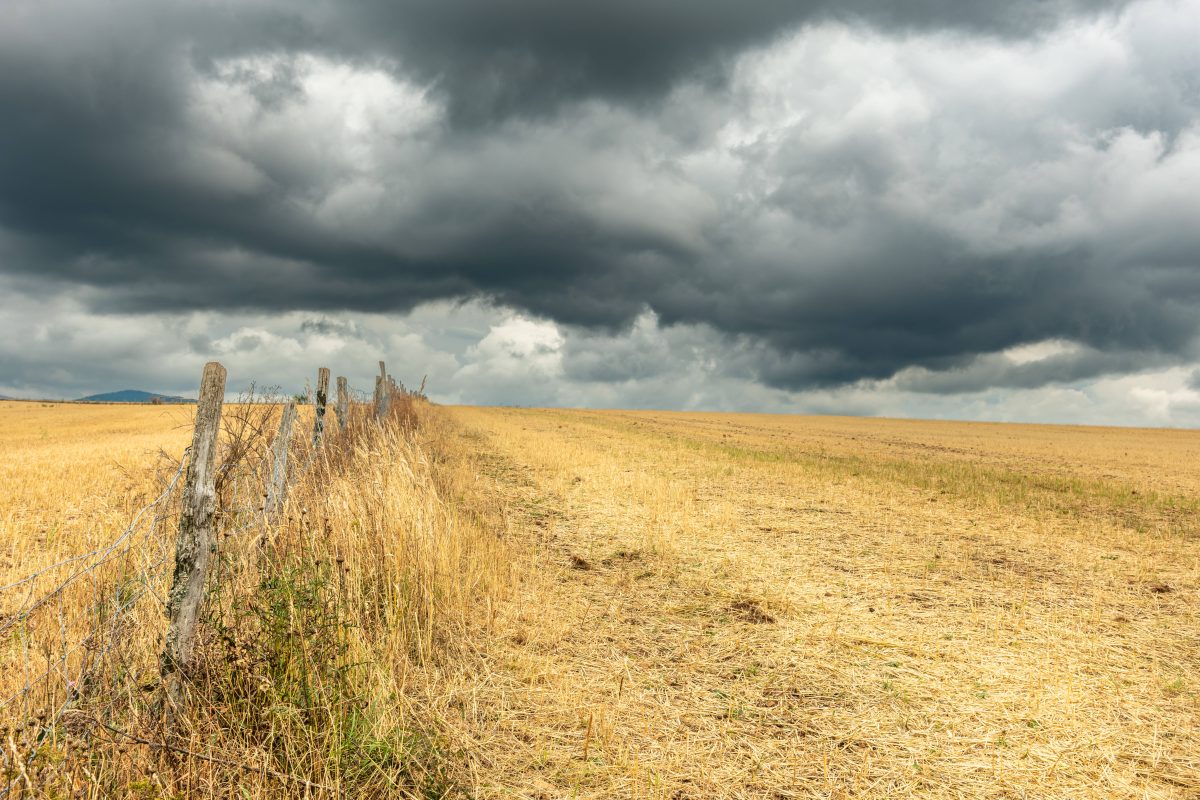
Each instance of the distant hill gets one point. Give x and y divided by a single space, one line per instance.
6 397
132 396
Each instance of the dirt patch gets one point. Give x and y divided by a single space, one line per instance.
750 611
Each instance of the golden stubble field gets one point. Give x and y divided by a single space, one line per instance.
712 605
765 606
72 475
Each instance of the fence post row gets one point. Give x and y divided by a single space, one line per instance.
322 397
194 542
342 409
195 525
277 492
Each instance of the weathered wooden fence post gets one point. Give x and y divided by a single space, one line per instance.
322 397
383 392
195 528
385 400
342 409
277 491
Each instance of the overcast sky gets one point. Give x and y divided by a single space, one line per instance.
944 208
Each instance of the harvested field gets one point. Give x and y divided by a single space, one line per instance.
669 605
759 606
74 474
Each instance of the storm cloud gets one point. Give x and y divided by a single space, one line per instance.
816 197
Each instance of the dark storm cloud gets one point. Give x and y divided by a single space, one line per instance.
574 160
997 371
494 57
330 327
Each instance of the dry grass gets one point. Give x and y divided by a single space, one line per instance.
544 604
73 475
317 672
73 478
794 607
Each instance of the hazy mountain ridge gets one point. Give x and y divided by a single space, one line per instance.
132 396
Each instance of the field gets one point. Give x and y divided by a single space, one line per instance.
669 605
75 474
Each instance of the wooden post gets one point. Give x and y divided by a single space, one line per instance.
322 397
383 394
342 409
385 400
277 491
195 528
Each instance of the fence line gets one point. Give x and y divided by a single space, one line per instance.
79 635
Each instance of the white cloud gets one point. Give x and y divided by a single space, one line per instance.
1039 351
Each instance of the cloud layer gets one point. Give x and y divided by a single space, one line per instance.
850 199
